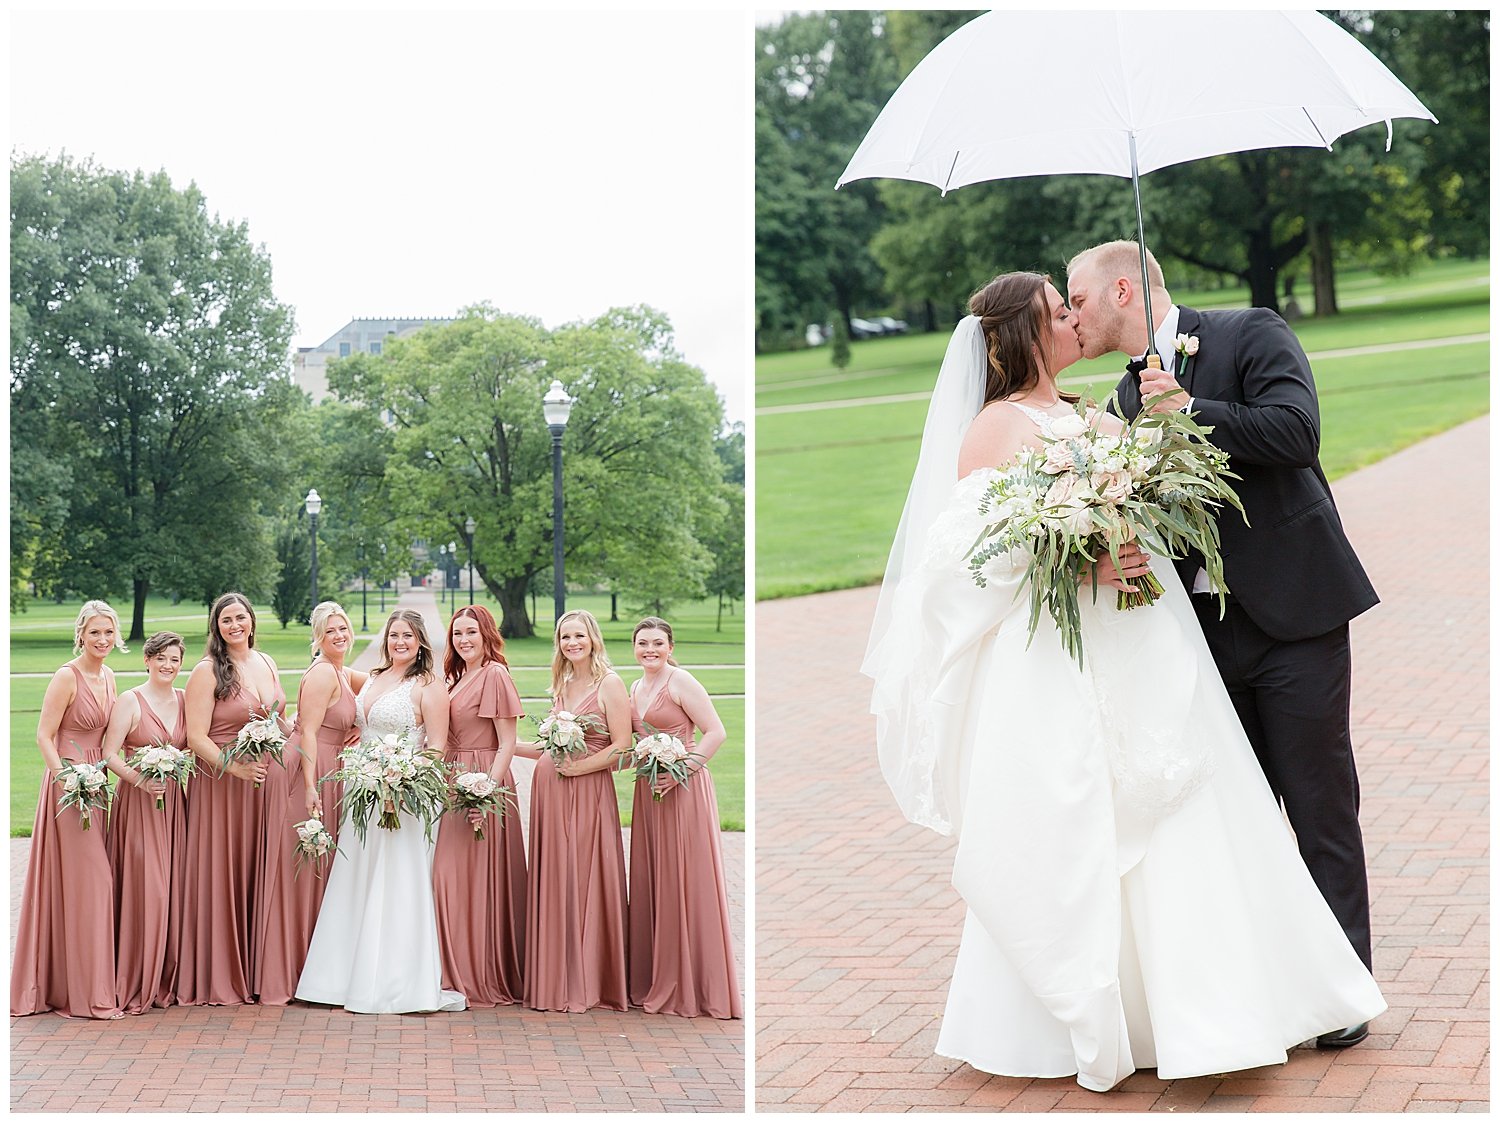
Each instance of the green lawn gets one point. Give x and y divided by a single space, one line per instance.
830 482
42 636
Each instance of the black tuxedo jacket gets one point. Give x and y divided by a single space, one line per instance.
1292 569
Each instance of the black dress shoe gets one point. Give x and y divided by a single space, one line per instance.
1343 1038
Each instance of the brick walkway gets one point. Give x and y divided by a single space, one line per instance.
306 1058
857 925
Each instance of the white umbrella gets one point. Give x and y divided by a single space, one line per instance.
1124 93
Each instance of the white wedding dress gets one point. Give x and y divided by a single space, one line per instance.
1135 899
375 947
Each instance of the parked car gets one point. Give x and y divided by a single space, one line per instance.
892 326
815 336
864 329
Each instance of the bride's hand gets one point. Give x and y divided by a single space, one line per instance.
1134 562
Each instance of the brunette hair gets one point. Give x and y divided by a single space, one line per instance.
422 664
562 670
226 676
490 640
660 625
160 642
1012 311
325 611
89 610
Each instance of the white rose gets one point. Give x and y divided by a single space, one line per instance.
483 786
1112 486
1059 459
565 716
1068 427
70 782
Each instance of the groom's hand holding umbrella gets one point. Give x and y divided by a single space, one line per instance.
1155 382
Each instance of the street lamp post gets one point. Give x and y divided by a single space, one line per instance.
383 580
314 505
453 565
556 407
469 540
364 586
443 565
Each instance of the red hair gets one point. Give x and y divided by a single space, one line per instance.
489 639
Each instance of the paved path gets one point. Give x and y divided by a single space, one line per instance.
857 925
306 1058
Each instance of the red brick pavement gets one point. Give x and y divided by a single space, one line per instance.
857 924
305 1058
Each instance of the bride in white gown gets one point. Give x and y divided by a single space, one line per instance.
375 947
1134 898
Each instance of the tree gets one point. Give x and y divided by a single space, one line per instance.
291 597
726 544
149 356
468 440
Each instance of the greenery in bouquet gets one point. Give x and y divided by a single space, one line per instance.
1087 493
388 776
661 754
479 791
164 763
561 733
84 786
261 736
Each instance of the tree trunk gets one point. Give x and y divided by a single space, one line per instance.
614 607
514 621
1262 270
138 614
930 313
1325 299
719 623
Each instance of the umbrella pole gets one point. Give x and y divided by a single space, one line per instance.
1140 225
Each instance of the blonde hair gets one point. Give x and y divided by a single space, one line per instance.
89 610
1119 259
562 670
319 621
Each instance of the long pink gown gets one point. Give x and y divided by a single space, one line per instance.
575 899
224 845
148 851
479 885
287 897
65 946
681 948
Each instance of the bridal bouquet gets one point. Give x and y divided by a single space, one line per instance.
258 737
313 844
660 753
393 774
166 764
85 787
562 734
1087 493
479 791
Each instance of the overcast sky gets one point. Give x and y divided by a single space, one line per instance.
404 164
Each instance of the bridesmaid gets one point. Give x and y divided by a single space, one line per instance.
230 684
681 950
147 844
287 897
65 946
575 900
479 886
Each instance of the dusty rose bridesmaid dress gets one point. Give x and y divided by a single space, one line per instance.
287 898
148 851
681 949
224 843
575 899
65 946
479 885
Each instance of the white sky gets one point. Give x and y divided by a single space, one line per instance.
404 164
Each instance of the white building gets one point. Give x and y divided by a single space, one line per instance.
310 364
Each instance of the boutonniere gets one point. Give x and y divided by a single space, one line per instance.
1186 347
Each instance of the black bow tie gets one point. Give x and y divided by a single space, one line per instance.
1135 366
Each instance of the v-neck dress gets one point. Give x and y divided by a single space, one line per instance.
65 945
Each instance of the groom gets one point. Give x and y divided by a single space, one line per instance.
1294 582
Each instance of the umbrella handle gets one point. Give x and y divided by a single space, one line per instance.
1153 361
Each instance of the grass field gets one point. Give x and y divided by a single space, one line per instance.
832 467
41 640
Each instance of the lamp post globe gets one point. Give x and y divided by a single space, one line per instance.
556 407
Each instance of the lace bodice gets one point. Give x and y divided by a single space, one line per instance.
1042 419
392 712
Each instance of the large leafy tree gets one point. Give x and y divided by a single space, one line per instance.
149 379
467 439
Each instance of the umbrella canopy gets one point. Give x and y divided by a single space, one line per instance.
1038 93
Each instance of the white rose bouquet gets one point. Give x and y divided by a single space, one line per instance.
479 791
313 844
166 764
258 737
561 733
1087 493
394 775
84 786
658 754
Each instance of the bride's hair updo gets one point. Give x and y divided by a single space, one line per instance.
1012 311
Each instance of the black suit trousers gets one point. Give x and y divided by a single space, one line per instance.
1293 700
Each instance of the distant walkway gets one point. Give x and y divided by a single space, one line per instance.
857 923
